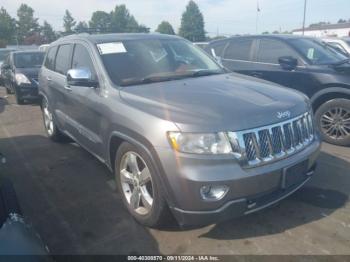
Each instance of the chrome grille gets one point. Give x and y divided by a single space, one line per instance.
265 144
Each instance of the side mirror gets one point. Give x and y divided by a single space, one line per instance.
288 62
80 77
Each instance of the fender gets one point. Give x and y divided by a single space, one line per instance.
152 154
329 90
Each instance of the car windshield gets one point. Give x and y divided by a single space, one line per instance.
154 60
316 52
28 60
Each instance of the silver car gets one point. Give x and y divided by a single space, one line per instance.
183 136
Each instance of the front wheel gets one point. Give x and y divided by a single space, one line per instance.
333 120
140 187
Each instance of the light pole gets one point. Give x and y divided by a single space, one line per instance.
305 2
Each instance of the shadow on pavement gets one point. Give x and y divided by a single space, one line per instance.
67 195
3 104
327 192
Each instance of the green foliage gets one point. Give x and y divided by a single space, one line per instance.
68 22
7 28
100 22
27 25
122 21
47 32
81 27
165 28
192 23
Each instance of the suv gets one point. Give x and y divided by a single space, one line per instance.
20 72
302 63
167 120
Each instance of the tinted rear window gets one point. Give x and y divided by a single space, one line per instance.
28 60
50 58
239 49
63 59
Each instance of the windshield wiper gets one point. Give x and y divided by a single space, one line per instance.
149 79
205 72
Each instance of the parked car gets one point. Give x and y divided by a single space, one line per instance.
20 71
302 63
167 120
3 54
339 44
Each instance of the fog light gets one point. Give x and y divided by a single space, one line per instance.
213 193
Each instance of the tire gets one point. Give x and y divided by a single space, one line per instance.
156 216
333 121
19 100
8 91
51 128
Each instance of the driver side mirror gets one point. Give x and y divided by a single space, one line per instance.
288 62
81 77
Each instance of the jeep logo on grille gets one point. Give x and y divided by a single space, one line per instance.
285 114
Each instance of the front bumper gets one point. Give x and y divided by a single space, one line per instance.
27 91
249 189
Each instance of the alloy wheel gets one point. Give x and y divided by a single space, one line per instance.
136 182
48 122
335 123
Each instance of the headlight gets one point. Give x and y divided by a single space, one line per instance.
21 79
198 143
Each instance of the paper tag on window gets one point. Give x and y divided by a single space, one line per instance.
310 53
111 48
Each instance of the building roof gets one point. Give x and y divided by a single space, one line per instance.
325 27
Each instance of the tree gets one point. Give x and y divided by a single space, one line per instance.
7 28
165 28
100 22
122 21
81 27
68 22
341 21
47 32
192 23
27 25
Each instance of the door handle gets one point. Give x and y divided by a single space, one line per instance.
48 78
68 88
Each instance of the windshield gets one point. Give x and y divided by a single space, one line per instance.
135 62
28 60
316 52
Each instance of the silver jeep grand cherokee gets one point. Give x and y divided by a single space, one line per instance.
179 132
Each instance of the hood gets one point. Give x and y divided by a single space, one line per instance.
216 103
29 72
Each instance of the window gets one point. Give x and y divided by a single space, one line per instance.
63 59
218 48
239 49
271 50
50 58
82 59
28 59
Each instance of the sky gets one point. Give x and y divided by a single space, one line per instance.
226 17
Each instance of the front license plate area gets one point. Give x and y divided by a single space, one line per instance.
294 175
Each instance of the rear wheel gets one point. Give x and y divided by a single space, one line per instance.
50 127
333 120
139 186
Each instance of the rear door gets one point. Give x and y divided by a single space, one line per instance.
58 85
238 55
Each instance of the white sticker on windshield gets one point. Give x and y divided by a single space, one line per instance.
111 48
310 53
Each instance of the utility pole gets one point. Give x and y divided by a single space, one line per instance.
305 2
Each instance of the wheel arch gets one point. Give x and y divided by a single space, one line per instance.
328 94
117 138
